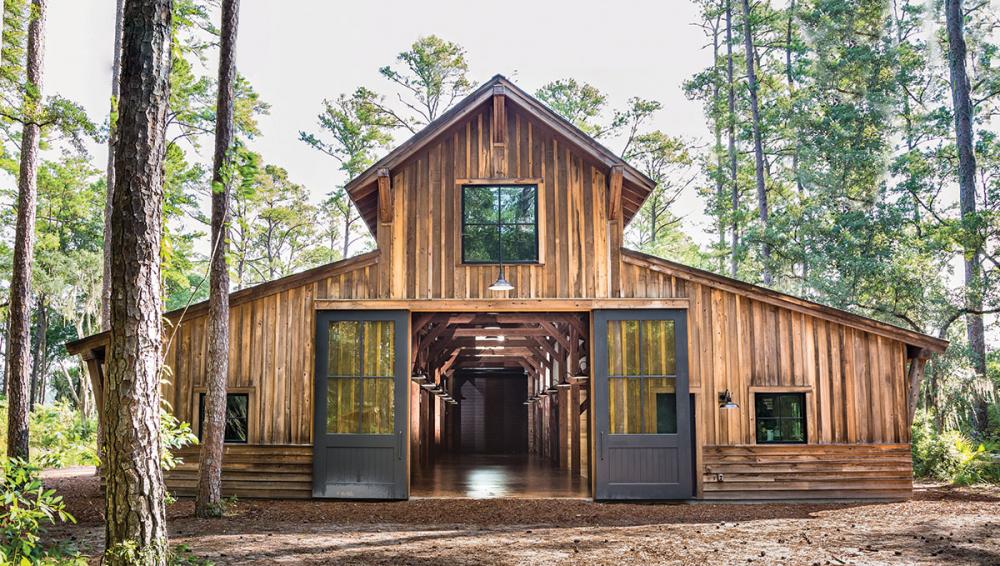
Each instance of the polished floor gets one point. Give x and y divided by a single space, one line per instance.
485 476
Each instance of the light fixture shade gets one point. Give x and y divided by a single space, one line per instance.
551 389
501 284
726 401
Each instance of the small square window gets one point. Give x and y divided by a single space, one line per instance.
781 418
237 417
500 224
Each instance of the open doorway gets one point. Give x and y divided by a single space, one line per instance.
500 405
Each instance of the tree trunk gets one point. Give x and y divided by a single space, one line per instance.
758 146
19 343
209 500
113 127
41 351
734 185
962 104
720 186
135 514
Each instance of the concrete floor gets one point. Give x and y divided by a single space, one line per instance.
484 476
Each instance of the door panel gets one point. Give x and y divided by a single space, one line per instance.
361 405
642 404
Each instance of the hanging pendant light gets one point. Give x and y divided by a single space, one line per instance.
501 284
726 401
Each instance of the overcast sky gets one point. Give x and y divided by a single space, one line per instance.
298 52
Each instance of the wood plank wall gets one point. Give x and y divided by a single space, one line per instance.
270 354
423 244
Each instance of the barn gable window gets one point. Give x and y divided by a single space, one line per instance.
236 417
781 418
500 223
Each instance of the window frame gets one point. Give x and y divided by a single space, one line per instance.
803 393
200 412
643 379
539 223
361 378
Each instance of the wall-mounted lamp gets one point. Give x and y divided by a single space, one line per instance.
726 401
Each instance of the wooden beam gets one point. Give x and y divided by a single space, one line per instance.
500 305
384 196
615 191
506 332
557 334
499 127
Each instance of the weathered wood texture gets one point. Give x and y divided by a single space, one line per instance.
422 246
276 471
869 471
270 352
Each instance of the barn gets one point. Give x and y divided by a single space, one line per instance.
501 341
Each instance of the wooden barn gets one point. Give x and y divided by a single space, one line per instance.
501 341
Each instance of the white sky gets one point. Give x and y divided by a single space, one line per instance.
298 52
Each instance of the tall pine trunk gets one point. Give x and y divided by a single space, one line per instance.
758 145
40 354
116 68
720 185
19 343
209 501
962 106
731 134
135 513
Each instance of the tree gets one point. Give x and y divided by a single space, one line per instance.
112 126
434 74
357 129
209 500
963 116
580 103
136 521
758 148
18 356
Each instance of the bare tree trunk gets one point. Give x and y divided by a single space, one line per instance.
135 513
209 500
734 185
962 103
758 146
41 351
116 67
720 185
19 343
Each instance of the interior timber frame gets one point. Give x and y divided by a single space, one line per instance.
859 376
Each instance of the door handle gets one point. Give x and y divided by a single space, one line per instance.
600 444
399 445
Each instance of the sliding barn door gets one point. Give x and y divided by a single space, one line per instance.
642 417
359 449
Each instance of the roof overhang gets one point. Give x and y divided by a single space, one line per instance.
363 189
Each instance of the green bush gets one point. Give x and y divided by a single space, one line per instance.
951 456
27 508
57 436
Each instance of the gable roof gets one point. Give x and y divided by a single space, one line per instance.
791 302
363 188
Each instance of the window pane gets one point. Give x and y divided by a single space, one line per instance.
480 204
630 347
661 405
344 344
379 347
342 405
615 348
791 431
479 243
765 406
377 411
790 406
623 406
236 417
659 354
518 242
517 204
768 431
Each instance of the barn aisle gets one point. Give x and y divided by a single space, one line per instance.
484 476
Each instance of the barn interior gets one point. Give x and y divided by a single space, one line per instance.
499 405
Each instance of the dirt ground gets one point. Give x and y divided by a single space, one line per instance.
940 525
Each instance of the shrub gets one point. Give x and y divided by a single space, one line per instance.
27 507
57 436
951 456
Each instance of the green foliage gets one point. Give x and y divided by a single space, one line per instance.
57 436
130 553
27 509
182 555
951 456
434 74
174 435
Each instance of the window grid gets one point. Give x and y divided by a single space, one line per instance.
642 375
779 417
362 343
499 225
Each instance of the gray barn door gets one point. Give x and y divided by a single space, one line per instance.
359 447
642 416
